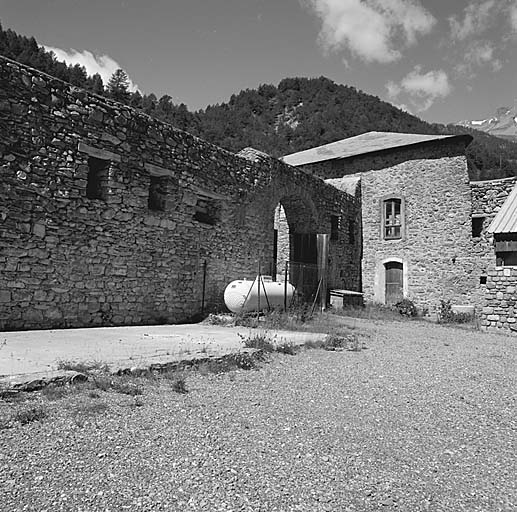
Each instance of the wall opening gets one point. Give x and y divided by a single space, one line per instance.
334 227
206 210
394 282
157 193
296 243
477 226
97 181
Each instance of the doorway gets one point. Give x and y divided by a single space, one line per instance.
394 291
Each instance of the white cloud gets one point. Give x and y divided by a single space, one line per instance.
513 14
373 30
477 18
423 89
102 64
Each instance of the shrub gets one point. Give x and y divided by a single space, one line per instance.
447 316
406 307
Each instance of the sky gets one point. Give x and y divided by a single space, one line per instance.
442 60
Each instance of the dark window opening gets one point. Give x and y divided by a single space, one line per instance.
482 279
207 211
392 215
97 180
477 226
506 249
351 231
334 227
157 193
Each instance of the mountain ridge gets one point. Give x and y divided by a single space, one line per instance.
297 114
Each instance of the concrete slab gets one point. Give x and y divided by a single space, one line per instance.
31 352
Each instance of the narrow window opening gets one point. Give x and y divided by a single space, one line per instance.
351 232
157 193
207 211
334 227
482 279
477 226
392 215
97 178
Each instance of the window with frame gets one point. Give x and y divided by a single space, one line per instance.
392 216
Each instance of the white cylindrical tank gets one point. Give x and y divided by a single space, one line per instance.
243 296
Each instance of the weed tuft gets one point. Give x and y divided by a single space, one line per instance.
30 414
287 348
258 341
83 367
53 392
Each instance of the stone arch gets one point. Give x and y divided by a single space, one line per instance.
296 223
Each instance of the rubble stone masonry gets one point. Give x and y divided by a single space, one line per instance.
435 249
107 216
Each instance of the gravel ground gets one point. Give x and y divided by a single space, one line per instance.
423 418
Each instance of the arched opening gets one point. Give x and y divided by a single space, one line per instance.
295 244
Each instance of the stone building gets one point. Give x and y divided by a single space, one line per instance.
415 212
494 229
110 217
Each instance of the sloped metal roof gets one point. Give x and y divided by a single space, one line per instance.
506 219
362 144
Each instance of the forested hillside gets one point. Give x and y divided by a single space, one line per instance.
297 114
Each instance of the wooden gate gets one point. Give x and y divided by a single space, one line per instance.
394 282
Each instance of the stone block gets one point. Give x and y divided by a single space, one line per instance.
493 318
5 296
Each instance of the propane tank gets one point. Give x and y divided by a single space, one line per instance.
242 296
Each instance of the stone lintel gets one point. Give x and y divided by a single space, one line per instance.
207 193
156 170
102 154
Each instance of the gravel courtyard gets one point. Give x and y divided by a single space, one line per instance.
421 419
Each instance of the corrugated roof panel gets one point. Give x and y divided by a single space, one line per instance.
506 219
361 144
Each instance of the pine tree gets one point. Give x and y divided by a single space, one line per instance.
118 86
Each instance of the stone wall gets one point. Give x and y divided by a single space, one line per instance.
436 245
498 295
165 204
500 299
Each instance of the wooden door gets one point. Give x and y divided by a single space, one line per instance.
394 282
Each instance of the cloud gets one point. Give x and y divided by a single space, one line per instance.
513 15
373 30
423 89
477 18
102 64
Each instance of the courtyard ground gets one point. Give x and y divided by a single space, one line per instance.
418 417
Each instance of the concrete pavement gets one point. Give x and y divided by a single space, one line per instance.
26 353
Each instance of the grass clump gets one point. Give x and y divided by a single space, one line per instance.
177 380
30 414
259 342
83 367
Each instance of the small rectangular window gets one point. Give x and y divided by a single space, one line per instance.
157 193
207 211
334 227
477 226
97 181
392 216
